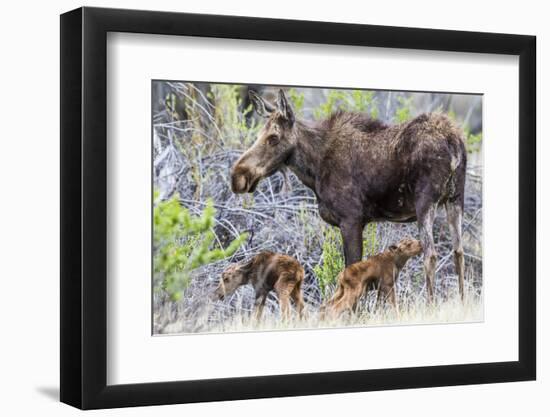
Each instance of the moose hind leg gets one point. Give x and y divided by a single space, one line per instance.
283 290
338 294
454 218
426 216
328 306
350 302
298 298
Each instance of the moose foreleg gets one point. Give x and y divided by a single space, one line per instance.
352 236
387 293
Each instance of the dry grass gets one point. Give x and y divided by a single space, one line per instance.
414 311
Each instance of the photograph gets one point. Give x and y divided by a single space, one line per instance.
298 207
236 186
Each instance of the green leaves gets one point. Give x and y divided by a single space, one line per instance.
370 241
403 112
332 260
184 242
297 100
473 141
348 100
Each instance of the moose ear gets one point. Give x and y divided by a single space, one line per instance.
262 107
284 107
246 267
393 248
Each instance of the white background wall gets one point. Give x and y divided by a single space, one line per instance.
29 219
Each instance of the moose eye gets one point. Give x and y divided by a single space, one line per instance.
273 140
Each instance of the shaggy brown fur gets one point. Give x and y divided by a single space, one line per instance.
266 271
363 171
381 270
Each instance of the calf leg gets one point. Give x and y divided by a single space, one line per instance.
283 290
328 305
298 298
425 213
348 301
338 294
454 218
337 308
387 293
259 305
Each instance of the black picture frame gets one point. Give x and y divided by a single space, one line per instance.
84 207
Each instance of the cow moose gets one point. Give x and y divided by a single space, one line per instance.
362 170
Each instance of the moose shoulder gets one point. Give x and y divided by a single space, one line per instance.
362 170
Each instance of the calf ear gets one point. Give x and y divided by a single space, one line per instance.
262 107
284 107
246 267
393 248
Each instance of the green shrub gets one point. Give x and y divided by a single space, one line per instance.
403 112
332 259
227 102
370 240
183 242
473 141
347 100
297 99
365 102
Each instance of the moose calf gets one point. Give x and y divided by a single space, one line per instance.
382 269
266 271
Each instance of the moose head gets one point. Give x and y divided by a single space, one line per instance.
275 143
406 248
232 278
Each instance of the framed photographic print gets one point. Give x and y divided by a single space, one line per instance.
256 208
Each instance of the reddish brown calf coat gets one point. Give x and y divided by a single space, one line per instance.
382 269
267 272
